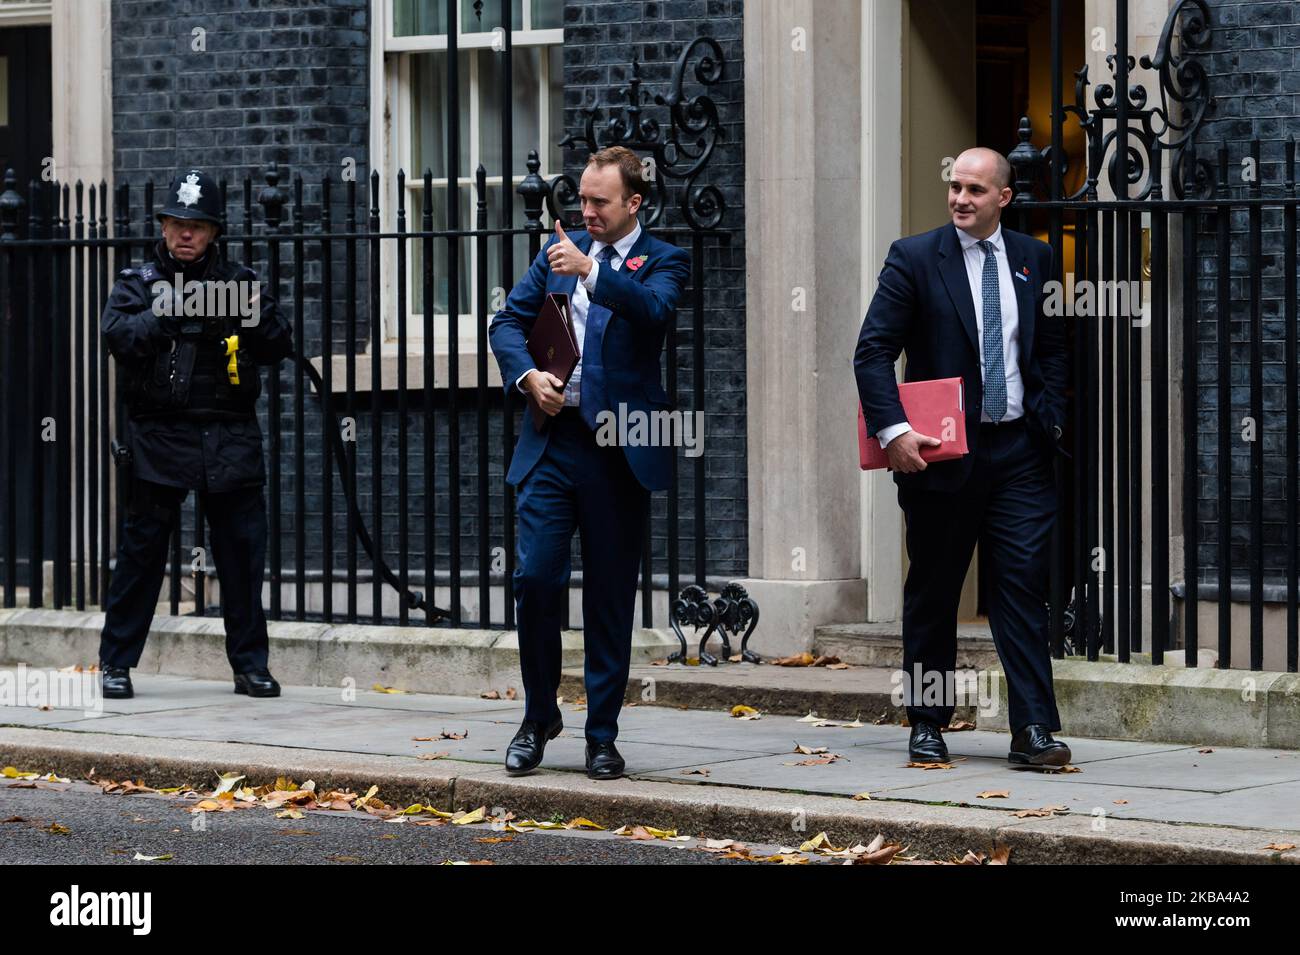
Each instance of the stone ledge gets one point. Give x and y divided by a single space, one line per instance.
1171 704
458 662
704 809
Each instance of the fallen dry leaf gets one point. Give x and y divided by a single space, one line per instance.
720 845
468 818
1281 846
994 794
1043 812
819 841
818 760
929 766
878 852
642 833
798 660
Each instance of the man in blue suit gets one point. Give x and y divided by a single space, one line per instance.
623 286
966 300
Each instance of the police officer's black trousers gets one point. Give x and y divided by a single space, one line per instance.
237 522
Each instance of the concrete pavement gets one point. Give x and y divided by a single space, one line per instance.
697 770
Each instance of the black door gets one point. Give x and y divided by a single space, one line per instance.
26 140
27 136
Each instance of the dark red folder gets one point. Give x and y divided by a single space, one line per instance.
553 346
933 408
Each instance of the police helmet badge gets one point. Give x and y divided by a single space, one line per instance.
189 192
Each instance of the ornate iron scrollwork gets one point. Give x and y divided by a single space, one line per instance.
731 612
1153 131
679 154
692 608
735 610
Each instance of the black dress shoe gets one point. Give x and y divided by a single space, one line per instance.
524 753
116 683
603 760
256 683
1034 746
926 744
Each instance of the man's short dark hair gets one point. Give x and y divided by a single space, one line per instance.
629 165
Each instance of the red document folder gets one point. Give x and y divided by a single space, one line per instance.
933 408
553 346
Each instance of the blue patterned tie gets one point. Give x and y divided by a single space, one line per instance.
995 372
590 380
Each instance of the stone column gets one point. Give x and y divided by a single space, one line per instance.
806 81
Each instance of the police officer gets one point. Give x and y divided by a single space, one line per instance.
189 330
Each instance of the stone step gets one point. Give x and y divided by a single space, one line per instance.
881 644
863 693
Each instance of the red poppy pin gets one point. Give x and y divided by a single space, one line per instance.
635 263
1023 274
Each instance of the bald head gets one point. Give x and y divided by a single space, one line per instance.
978 189
989 161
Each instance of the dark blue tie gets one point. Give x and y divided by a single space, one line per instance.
591 386
995 372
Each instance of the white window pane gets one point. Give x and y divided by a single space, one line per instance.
524 120
548 14
496 277
488 18
440 245
419 17
428 113
555 104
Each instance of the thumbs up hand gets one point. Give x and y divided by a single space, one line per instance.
565 258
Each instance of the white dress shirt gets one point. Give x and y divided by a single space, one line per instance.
581 299
973 256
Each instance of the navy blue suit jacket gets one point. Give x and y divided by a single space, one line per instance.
629 314
923 308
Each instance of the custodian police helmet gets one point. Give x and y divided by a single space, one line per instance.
193 195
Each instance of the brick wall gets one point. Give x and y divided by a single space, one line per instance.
1254 74
601 39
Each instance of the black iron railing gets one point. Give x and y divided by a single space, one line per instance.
333 447
1207 292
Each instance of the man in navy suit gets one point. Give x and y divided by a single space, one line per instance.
966 300
623 286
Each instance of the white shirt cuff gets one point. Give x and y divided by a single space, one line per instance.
885 435
589 283
519 382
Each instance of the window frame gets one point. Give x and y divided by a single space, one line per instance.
391 141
